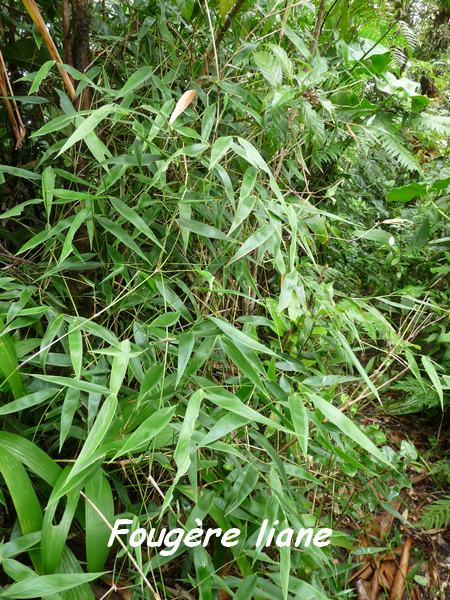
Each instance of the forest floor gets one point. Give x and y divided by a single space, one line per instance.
376 572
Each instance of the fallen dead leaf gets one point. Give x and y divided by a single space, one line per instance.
362 589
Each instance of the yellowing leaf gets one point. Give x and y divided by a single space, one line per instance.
182 104
225 6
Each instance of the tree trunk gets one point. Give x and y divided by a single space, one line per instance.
81 54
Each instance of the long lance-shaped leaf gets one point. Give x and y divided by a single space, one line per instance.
23 496
9 364
347 426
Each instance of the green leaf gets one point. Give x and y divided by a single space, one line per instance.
285 566
249 368
100 494
182 454
119 367
186 343
269 67
54 535
299 416
256 240
54 329
9 366
69 408
75 340
140 439
55 125
20 544
23 497
219 149
231 403
35 459
243 210
242 488
225 6
248 182
28 401
238 337
418 103
246 201
70 564
375 235
132 217
202 229
78 384
283 60
48 187
352 357
40 76
45 585
166 320
246 588
347 426
408 192
77 221
17 172
208 119
37 240
135 81
88 125
230 422
122 236
94 439
432 374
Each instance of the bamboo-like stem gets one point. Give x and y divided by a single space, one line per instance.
35 14
12 109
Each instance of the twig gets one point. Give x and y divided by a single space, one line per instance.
219 37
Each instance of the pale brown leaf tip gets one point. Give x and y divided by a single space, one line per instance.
182 104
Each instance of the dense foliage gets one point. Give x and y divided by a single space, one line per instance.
199 312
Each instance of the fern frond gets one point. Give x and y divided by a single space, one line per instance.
414 398
395 149
313 124
436 515
331 153
410 36
400 56
439 124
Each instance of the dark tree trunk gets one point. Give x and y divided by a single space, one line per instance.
81 54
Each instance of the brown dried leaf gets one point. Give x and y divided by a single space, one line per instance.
182 104
387 519
375 587
386 573
362 589
363 573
